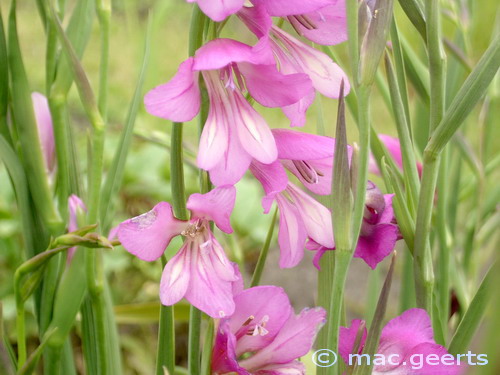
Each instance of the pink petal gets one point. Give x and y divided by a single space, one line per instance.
294 340
322 169
268 303
330 24
347 339
272 177
210 290
176 276
283 8
431 357
375 247
272 88
316 217
387 216
292 234
221 52
406 331
215 136
147 236
320 251
257 20
45 130
326 76
253 131
218 10
216 205
224 359
290 368
233 165
178 99
295 145
296 112
75 205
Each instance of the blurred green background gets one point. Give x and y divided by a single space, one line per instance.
146 181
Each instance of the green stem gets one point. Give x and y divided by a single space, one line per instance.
257 273
166 338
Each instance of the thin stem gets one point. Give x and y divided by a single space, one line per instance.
166 338
257 273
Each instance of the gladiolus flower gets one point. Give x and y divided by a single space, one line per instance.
264 336
379 231
234 132
200 271
394 148
45 130
76 207
406 341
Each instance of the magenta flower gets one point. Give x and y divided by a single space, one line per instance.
234 132
264 336
76 207
200 271
294 56
406 341
394 148
218 10
300 216
379 230
45 130
309 157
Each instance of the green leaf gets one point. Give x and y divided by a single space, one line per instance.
32 361
257 273
375 330
470 93
415 13
115 175
470 322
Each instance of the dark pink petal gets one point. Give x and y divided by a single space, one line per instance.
294 340
292 234
253 131
436 355
178 99
295 145
45 129
330 26
283 8
272 88
147 236
272 177
215 136
347 339
219 53
290 368
376 246
316 217
176 276
224 359
326 76
212 277
216 205
406 331
268 304
218 10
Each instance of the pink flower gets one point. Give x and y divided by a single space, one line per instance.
45 130
294 56
264 336
394 148
200 271
234 132
300 216
379 230
218 10
406 341
76 207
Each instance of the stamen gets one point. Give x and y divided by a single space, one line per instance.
305 21
260 329
193 229
307 172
